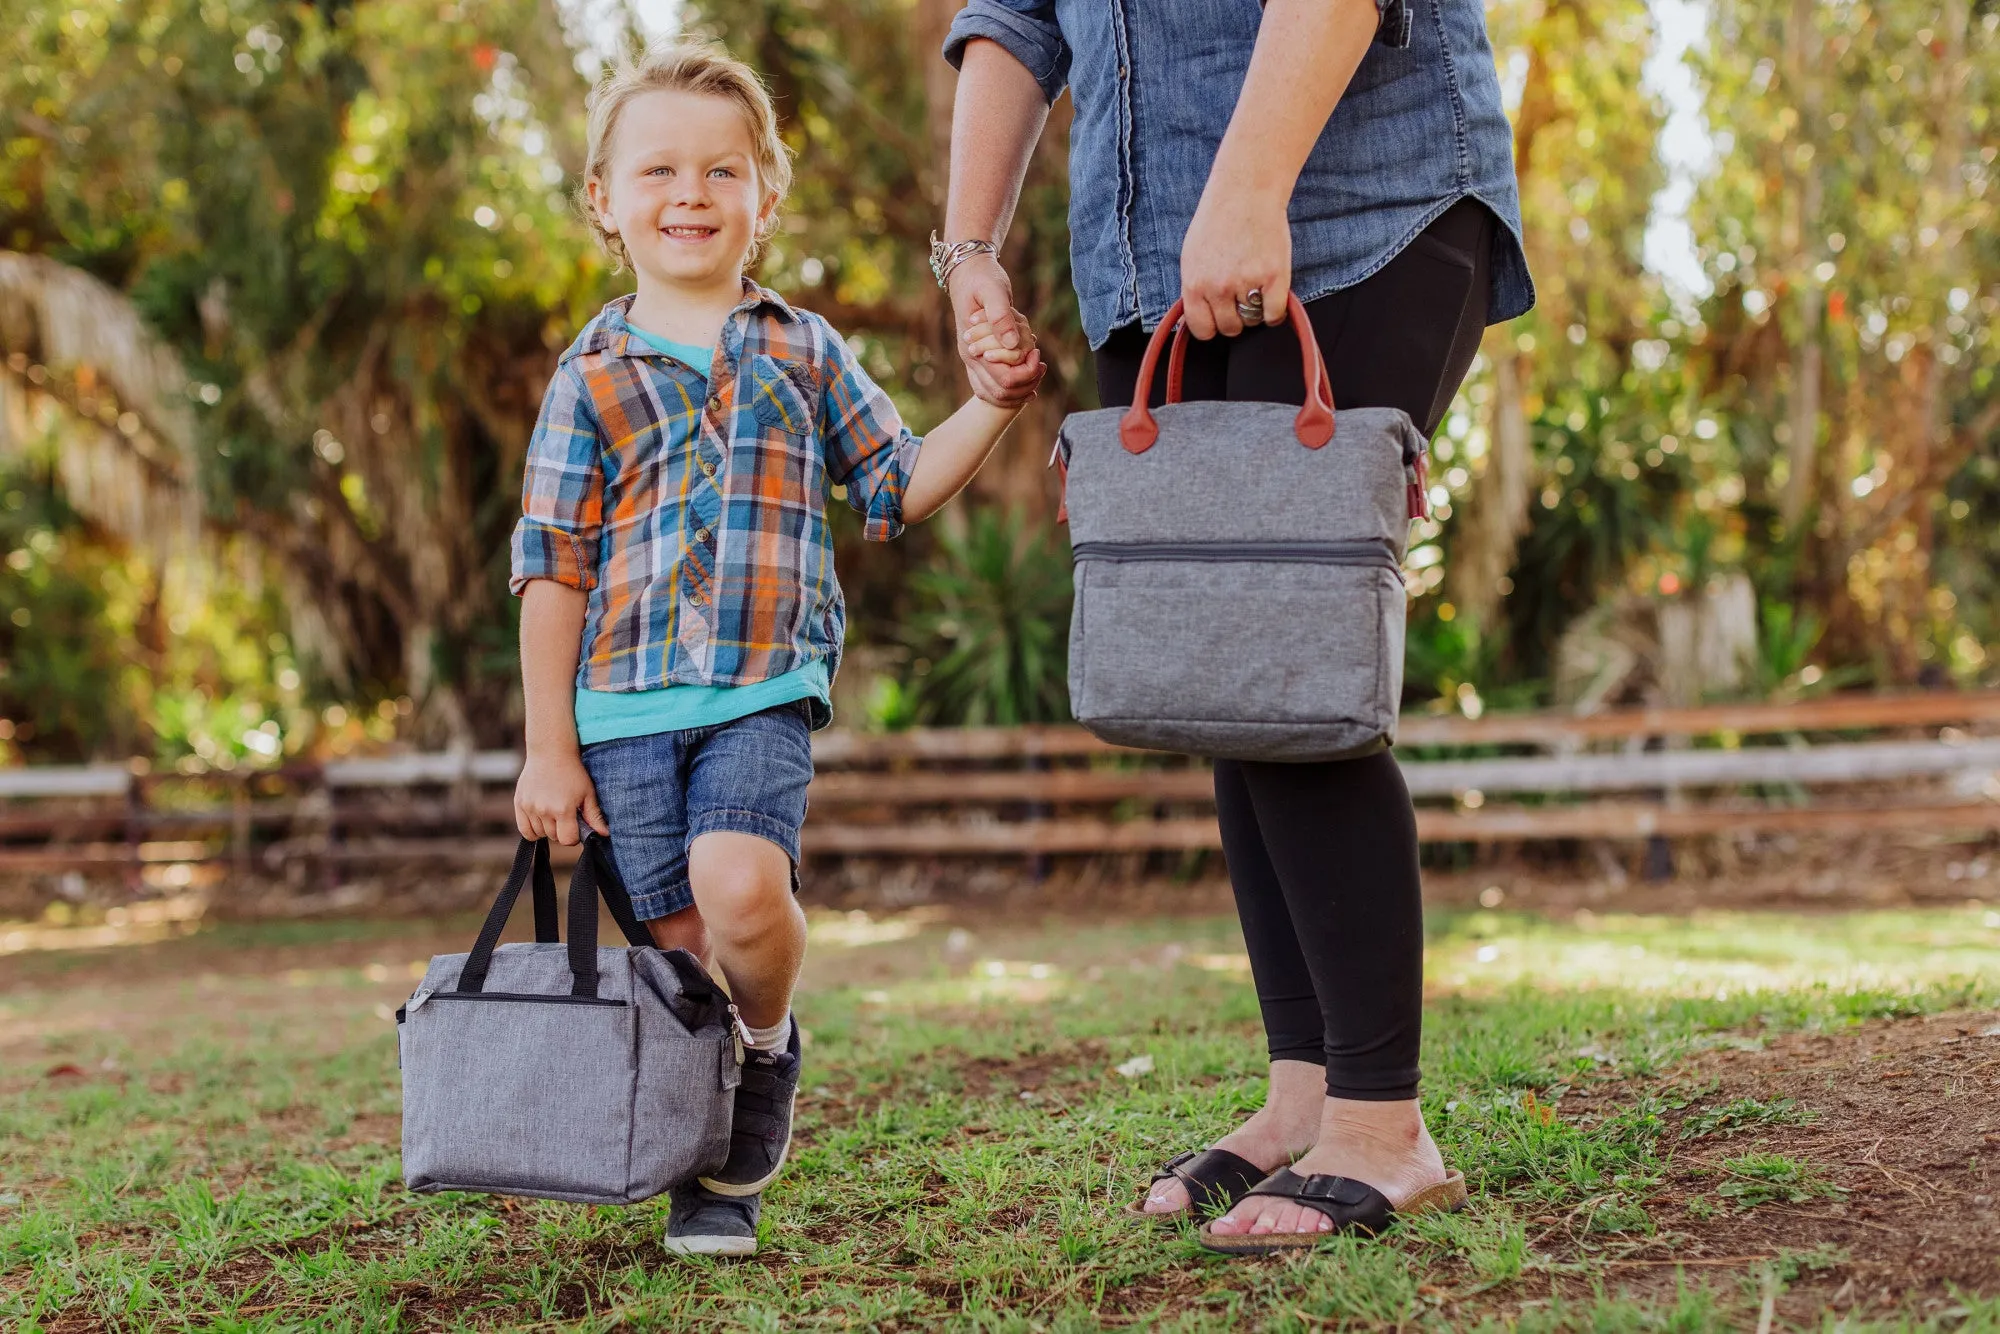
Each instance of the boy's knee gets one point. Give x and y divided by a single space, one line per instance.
745 892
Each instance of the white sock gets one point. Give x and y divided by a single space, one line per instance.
774 1038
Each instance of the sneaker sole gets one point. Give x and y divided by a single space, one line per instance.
709 1245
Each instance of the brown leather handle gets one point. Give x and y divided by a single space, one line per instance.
1313 426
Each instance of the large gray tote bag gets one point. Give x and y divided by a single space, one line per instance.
569 1072
1238 583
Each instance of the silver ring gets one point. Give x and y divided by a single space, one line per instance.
1251 306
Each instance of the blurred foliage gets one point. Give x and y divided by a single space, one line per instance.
349 220
64 683
988 641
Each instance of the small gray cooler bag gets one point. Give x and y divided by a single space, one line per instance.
603 1076
1239 591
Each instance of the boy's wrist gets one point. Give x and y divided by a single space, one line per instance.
553 747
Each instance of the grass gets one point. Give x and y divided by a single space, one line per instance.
223 1158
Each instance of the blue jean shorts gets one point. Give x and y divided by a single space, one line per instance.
660 793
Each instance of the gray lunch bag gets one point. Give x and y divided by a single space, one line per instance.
603 1076
1239 591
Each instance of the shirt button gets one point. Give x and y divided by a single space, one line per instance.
701 534
707 468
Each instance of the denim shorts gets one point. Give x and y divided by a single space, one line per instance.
660 793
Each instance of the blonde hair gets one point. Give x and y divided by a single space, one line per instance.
685 67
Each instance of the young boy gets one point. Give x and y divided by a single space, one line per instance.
680 619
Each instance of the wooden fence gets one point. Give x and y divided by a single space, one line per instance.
1928 762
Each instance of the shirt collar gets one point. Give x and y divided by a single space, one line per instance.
609 332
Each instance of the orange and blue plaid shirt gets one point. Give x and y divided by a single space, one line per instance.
691 507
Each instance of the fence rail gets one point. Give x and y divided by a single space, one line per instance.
1926 762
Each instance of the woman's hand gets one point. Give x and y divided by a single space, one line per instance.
981 293
553 787
1239 242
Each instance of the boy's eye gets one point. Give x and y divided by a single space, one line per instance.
660 171
721 171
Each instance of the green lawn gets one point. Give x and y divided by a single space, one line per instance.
190 1146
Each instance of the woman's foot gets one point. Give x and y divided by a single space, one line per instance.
1275 1134
1384 1144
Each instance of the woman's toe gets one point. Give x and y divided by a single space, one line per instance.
1166 1198
1238 1220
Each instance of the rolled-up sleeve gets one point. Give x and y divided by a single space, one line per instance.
868 449
1026 28
1392 25
562 492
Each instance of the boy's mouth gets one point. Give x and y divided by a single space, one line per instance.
688 233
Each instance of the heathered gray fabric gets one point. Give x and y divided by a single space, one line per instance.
599 1104
1239 660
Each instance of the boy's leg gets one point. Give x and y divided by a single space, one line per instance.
744 901
683 930
746 802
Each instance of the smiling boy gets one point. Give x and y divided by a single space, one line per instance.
680 621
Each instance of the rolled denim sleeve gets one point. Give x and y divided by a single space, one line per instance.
1026 28
1393 27
868 450
562 492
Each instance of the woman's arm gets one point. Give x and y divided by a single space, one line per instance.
1240 239
996 120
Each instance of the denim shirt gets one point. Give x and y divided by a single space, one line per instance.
1155 82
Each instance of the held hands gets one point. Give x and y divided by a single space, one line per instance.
551 790
1239 242
982 300
994 343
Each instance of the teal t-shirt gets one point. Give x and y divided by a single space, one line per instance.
608 715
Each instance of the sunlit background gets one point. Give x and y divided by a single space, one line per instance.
282 283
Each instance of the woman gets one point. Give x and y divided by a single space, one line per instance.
1226 153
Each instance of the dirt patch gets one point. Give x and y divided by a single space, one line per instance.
1864 1165
985 1076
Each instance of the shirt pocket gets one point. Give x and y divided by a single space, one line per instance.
780 395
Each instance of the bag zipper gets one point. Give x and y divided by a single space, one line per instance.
523 997
739 1033
1274 553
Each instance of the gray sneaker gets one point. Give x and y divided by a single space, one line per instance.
762 1131
704 1223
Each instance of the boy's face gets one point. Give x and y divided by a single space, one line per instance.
682 188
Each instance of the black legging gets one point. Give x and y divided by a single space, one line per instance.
1323 857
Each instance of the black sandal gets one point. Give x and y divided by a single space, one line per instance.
1354 1206
1215 1180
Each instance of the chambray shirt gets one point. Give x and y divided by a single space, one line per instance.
1155 82
691 508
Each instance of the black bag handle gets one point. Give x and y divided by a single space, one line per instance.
531 860
595 875
612 887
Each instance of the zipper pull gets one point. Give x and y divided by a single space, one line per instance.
1417 470
739 1032
416 1002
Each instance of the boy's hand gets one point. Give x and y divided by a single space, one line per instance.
983 340
551 791
986 342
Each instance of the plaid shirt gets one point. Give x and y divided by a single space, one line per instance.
692 508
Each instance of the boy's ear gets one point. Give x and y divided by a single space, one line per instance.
600 204
767 216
